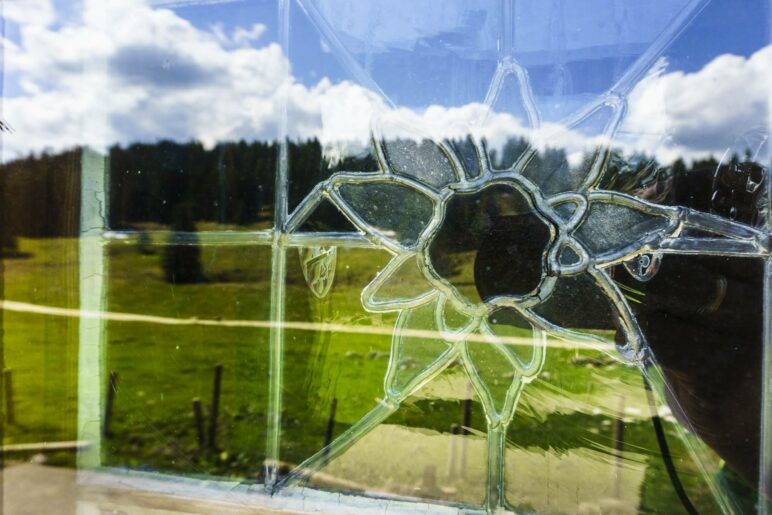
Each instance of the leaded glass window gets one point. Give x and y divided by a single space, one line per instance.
324 255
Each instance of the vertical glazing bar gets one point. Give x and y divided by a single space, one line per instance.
282 173
278 267
91 257
765 432
765 469
92 295
278 270
495 495
508 28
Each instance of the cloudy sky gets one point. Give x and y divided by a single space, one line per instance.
98 73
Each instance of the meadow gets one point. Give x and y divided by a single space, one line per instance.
560 444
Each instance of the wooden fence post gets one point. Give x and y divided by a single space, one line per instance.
112 387
215 408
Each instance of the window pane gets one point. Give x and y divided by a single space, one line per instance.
439 255
178 314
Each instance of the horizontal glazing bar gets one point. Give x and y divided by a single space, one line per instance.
341 239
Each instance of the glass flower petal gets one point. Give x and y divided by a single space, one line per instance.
405 147
553 171
387 209
496 364
418 351
420 158
469 155
400 285
613 227
577 303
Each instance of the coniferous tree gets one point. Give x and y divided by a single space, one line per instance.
181 260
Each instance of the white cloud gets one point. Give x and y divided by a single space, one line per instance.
29 12
240 36
706 111
131 72
244 36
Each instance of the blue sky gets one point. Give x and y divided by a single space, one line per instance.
212 69
739 27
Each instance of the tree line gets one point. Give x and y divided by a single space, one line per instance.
233 183
230 184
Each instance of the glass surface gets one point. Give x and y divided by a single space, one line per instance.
165 344
187 187
40 350
345 256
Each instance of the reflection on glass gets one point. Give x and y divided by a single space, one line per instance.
492 255
40 348
186 187
187 310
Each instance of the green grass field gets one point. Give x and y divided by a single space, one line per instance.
567 416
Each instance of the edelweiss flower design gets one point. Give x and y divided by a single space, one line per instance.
533 242
538 243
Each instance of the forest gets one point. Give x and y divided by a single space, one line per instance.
232 184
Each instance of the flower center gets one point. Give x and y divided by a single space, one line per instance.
490 244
